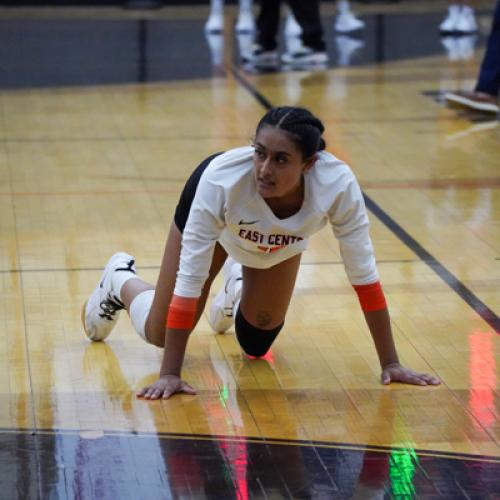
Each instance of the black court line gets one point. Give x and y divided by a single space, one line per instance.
252 439
452 281
246 84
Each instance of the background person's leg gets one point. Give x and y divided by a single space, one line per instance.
485 96
268 22
307 15
489 75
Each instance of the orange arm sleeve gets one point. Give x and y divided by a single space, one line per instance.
181 313
371 297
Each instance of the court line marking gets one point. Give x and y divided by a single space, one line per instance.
24 323
454 283
260 440
449 278
434 184
156 267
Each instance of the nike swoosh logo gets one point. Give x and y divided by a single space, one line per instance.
247 223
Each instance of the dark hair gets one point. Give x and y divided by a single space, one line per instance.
305 129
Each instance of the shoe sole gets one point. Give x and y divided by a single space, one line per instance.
271 61
225 322
478 106
311 61
350 30
84 308
306 64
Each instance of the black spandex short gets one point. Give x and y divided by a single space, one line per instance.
187 196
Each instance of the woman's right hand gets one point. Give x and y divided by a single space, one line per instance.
164 387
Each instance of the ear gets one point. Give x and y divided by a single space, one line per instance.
309 163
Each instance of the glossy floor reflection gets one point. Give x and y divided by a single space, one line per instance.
123 466
102 118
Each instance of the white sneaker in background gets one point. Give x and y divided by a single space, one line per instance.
101 310
346 48
225 303
245 44
245 23
293 44
258 55
466 22
305 56
215 43
466 46
450 43
346 22
449 24
214 24
292 27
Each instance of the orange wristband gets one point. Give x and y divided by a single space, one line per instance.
371 297
181 312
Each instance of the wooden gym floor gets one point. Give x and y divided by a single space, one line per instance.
103 115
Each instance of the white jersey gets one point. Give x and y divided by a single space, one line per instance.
227 208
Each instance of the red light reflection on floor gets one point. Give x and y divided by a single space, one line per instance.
482 371
236 455
268 357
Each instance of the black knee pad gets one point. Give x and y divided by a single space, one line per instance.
254 341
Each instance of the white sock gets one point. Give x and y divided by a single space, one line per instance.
216 45
118 279
343 7
245 6
139 311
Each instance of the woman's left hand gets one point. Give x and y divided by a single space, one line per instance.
397 373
